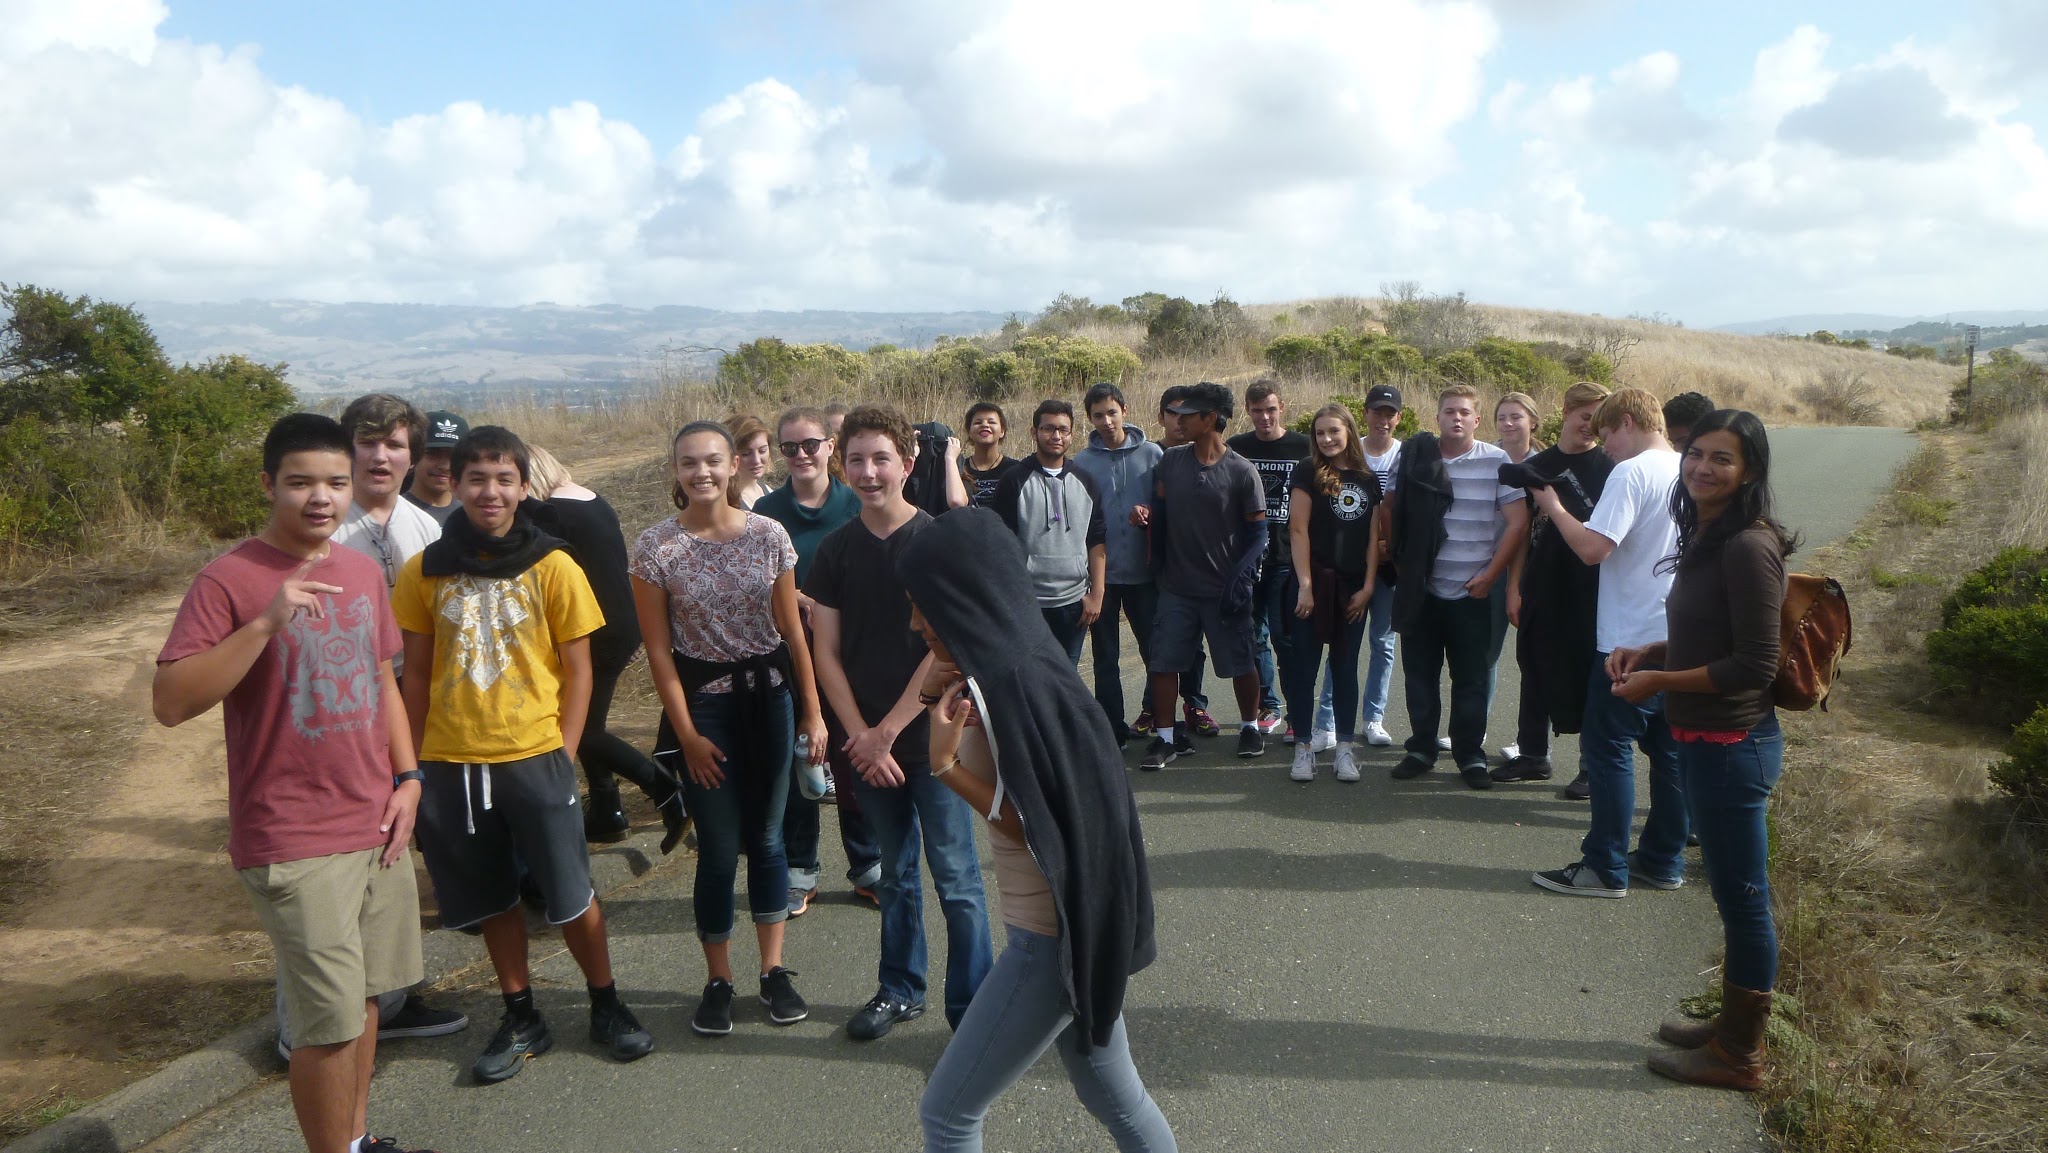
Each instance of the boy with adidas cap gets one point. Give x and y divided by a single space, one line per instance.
433 482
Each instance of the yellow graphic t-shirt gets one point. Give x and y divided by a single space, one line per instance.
496 692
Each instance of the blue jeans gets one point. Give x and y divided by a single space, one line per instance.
1726 789
923 809
1453 632
1065 623
1272 608
1020 1011
744 813
1305 659
1614 729
1379 671
801 824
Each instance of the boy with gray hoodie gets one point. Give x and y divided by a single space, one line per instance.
1055 512
1119 460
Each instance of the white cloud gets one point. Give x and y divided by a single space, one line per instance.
1639 106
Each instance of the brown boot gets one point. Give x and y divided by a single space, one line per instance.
1688 1032
1733 1058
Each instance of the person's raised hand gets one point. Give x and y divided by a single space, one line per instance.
298 594
949 721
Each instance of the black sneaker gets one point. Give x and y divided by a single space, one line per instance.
1475 777
1250 743
1410 767
614 1027
1520 768
387 1145
1580 788
1159 753
417 1019
1576 880
881 1014
714 1012
510 1046
604 821
779 993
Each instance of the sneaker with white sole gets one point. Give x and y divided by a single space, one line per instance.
1444 743
1269 723
1576 880
1304 765
1322 741
1346 764
1377 734
1511 751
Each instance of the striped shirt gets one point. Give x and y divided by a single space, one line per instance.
1474 522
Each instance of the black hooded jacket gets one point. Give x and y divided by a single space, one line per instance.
1055 754
1422 495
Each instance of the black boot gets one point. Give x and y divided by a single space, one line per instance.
604 819
674 820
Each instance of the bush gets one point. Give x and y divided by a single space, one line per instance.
1993 660
2024 772
1841 397
2016 577
2006 386
1407 425
1183 328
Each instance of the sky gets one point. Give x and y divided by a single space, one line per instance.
1712 162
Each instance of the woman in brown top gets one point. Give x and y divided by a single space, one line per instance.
1716 671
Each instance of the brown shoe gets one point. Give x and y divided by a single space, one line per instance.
1688 1032
1733 1058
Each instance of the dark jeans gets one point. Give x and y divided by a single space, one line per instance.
1105 638
1727 788
1614 729
1272 610
1457 633
605 755
801 823
924 810
1065 623
1305 659
1532 716
742 814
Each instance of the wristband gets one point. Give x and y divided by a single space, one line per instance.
950 766
409 775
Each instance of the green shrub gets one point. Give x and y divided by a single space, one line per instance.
2024 772
1407 425
2016 576
1993 660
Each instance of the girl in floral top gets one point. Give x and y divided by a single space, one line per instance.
716 592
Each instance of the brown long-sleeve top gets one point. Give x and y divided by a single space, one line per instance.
1723 613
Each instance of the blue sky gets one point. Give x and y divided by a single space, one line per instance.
1715 162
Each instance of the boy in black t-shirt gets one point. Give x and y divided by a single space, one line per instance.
984 465
1274 450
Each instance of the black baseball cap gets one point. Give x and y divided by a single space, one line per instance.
1383 396
444 430
1203 397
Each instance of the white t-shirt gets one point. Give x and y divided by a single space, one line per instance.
1383 464
1474 523
1635 513
410 529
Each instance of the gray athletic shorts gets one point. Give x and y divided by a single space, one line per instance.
479 823
1179 626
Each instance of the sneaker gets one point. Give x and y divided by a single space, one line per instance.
1322 740
799 902
1521 768
1159 753
1304 768
1249 743
1347 764
1510 752
1444 743
1377 734
387 1145
880 1015
416 1018
614 1027
1144 722
778 992
1201 722
510 1046
1269 722
1411 766
1577 880
1580 788
714 1010
1475 777
831 796
1637 873
604 822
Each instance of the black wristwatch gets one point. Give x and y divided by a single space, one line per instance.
408 775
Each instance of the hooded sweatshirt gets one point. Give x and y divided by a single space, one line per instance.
1059 518
1056 760
1123 480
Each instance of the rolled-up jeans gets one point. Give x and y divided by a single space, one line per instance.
1727 788
1613 730
742 815
1020 1010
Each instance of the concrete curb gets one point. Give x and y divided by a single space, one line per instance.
132 1117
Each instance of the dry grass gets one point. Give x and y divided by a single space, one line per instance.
2027 521
63 747
1913 911
39 595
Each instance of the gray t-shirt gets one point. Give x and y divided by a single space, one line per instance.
1206 510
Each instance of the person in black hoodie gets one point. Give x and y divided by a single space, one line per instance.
1017 734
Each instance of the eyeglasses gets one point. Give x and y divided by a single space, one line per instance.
1054 430
808 446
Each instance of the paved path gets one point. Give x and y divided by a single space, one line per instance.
1356 967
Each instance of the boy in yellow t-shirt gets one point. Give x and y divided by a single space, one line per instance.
497 618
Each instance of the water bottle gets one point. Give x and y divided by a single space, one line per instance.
810 778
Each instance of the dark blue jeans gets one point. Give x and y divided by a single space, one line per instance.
1727 788
801 824
1614 730
923 810
1272 609
1305 660
1065 623
744 813
1456 633
1105 639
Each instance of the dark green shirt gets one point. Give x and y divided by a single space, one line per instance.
808 526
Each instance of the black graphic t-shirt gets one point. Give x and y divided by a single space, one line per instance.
1275 460
1340 526
981 486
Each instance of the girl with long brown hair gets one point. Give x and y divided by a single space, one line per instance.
1336 561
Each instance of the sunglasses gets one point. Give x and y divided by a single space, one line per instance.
808 446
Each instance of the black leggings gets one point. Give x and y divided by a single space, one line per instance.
606 755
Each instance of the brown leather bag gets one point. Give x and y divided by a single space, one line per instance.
1813 634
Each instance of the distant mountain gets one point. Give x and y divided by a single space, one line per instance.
460 350
1875 322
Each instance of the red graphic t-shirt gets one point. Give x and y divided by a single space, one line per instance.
309 755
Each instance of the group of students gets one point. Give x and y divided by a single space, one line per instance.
436 673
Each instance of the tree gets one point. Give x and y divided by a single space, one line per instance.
74 358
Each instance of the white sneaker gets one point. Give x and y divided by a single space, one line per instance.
1347 764
1444 743
1377 734
1305 765
1511 751
1323 741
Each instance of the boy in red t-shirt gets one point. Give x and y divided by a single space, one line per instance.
294 638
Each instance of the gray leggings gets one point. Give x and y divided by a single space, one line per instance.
1018 1011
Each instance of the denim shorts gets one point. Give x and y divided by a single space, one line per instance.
1179 626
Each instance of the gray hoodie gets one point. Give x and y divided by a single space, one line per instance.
1123 480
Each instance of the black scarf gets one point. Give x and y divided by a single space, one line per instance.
1055 753
464 549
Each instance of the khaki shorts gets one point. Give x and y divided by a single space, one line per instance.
344 930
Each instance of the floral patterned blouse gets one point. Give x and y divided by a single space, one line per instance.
720 593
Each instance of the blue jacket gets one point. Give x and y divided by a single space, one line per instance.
1123 480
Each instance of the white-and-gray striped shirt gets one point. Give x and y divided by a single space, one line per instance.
1474 522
